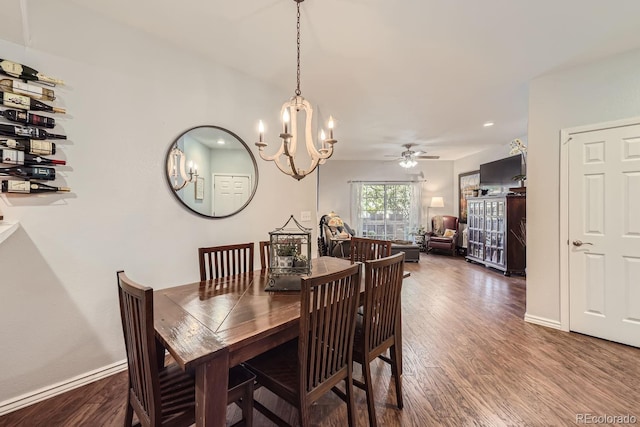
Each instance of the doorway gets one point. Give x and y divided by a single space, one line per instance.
230 193
600 230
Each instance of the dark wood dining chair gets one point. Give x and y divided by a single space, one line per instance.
362 249
223 261
378 329
265 254
304 369
164 395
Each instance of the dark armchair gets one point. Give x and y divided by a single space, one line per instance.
444 235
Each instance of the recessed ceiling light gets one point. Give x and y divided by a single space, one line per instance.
488 124
221 141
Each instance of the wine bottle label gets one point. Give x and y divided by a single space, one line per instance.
28 132
15 101
11 68
14 186
21 131
27 89
12 157
52 80
42 173
42 148
37 120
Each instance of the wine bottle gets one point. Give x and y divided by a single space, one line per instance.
28 118
33 133
15 157
24 187
32 91
31 172
40 148
23 72
25 103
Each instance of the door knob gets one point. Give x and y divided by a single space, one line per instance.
579 243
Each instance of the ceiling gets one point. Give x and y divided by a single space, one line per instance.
429 72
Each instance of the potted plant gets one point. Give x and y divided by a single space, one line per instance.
299 260
520 179
419 234
285 253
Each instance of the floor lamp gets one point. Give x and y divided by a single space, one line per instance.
436 202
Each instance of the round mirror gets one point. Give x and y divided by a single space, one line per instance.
212 171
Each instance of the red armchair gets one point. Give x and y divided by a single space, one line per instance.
444 235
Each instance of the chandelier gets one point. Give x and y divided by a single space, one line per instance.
284 158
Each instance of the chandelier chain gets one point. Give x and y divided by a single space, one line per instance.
298 92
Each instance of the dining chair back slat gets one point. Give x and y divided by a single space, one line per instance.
362 249
223 261
265 254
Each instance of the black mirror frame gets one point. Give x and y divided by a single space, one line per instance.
175 193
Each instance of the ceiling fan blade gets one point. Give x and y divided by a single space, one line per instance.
427 157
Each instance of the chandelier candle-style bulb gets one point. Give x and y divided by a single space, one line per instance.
330 127
285 122
260 131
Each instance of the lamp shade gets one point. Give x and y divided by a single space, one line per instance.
336 221
437 202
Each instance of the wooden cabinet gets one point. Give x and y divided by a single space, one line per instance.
493 226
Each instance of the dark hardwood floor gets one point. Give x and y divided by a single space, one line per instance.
469 359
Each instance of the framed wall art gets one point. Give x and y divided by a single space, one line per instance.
467 183
200 188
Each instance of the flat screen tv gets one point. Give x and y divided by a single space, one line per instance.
501 172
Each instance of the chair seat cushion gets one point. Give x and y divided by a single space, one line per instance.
439 239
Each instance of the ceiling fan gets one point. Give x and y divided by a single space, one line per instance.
409 157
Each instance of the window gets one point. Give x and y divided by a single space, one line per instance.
387 211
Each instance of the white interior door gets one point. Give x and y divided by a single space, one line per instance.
604 233
230 193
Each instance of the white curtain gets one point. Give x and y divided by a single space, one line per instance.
356 208
415 215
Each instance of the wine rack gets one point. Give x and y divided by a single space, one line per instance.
493 226
26 158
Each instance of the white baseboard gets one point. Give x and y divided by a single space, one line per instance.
542 321
53 390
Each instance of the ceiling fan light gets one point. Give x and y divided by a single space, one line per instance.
407 163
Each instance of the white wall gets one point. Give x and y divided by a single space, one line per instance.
334 188
598 92
128 98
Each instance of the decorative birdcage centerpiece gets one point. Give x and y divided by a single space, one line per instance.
290 253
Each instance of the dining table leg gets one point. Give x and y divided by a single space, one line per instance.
212 378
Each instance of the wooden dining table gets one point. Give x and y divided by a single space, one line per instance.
211 326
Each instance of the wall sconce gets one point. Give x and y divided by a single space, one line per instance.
176 168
